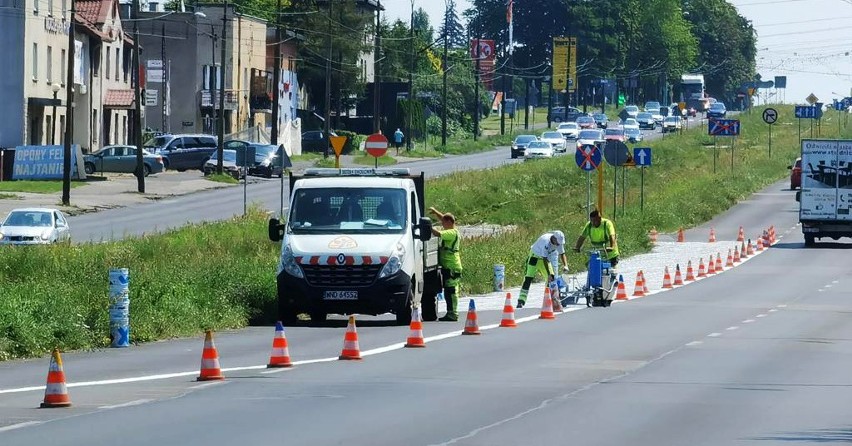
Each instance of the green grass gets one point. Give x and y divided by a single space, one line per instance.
222 178
8 197
36 187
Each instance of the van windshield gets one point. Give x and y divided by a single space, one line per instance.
348 211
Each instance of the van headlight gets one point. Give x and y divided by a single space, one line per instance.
394 262
288 263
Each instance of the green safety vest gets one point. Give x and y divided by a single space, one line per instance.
599 236
448 250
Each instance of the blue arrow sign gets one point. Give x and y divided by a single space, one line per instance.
588 157
724 127
806 112
642 156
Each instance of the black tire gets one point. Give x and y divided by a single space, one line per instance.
181 170
90 168
403 312
318 316
287 314
146 170
165 163
201 167
810 240
512 154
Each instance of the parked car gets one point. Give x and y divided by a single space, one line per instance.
646 121
590 136
717 110
633 135
315 141
569 130
587 122
538 149
183 152
631 110
557 114
614 134
601 120
264 157
671 124
34 226
122 159
796 174
229 164
519 145
556 140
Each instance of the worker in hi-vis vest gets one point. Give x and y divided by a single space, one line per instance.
601 234
450 261
539 261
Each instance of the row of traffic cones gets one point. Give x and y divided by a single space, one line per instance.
768 235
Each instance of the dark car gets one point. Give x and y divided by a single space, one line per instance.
315 141
646 120
601 120
122 159
587 122
265 156
519 145
229 164
717 110
557 114
183 152
796 174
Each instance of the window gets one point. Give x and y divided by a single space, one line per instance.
211 75
50 8
64 8
50 129
95 125
115 129
124 132
35 6
117 63
62 68
35 61
108 62
152 7
96 60
49 64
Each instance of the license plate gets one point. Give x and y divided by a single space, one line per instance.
340 295
806 229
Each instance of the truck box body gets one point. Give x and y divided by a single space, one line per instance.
826 194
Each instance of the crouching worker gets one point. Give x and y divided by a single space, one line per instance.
539 261
450 261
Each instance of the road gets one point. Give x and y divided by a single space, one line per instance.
757 355
220 204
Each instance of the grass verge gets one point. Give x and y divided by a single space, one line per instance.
8 197
368 160
222 178
36 187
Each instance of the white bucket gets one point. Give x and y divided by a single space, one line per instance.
499 277
119 277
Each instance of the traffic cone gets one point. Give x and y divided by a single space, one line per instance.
644 283
470 325
55 392
743 252
638 288
701 271
653 235
678 279
767 241
759 244
736 255
351 350
711 266
621 291
772 239
712 236
729 262
547 306
210 369
690 274
415 337
280 356
680 236
719 268
508 320
749 248
741 235
554 298
667 279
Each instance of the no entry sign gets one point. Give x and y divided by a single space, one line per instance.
376 145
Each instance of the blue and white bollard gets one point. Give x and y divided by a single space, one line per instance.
499 277
119 307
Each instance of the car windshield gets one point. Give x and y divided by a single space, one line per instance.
631 131
263 150
551 135
348 211
29 218
717 106
600 117
632 108
652 105
158 141
568 126
590 134
644 116
614 131
539 145
673 119
585 119
523 139
630 121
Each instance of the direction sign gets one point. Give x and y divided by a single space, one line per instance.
812 99
642 156
337 143
806 112
616 153
770 115
588 157
376 145
724 127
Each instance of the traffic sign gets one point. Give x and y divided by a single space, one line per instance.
806 112
812 99
616 153
376 145
588 157
337 143
724 127
642 156
770 115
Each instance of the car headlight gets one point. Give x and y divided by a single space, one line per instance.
46 234
394 262
2 235
288 263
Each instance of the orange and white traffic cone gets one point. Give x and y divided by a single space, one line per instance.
415 336
644 283
729 262
711 266
653 235
470 325
547 306
690 274
772 239
678 279
638 287
210 369
56 392
741 235
759 244
736 255
680 236
667 279
701 271
621 291
743 252
719 268
508 320
280 356
351 349
767 241
749 248
554 298
712 236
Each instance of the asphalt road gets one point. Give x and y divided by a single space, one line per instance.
757 355
220 204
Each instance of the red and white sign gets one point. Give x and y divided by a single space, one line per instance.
376 145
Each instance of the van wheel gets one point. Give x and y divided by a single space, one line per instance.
90 168
403 312
810 240
318 316
429 308
287 314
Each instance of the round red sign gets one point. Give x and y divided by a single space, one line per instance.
376 145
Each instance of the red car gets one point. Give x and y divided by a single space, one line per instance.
796 174
614 134
587 122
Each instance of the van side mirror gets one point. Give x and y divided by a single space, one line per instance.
275 229
798 195
424 226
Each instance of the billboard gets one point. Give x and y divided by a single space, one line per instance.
45 163
486 52
564 63
826 180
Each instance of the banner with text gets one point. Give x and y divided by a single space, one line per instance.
45 163
564 63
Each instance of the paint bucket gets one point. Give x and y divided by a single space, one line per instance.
119 307
119 277
499 277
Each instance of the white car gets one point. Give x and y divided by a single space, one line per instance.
556 140
569 130
538 149
630 123
590 137
671 124
34 226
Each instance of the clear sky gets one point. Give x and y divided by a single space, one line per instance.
809 41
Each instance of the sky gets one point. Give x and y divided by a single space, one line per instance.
806 40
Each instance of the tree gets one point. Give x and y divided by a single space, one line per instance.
452 28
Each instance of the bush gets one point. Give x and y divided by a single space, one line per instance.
353 141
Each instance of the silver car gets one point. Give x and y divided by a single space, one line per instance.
556 140
34 226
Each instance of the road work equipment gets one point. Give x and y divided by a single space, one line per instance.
210 369
280 356
351 350
56 392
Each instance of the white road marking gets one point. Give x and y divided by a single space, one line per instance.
748 321
19 425
714 335
732 328
772 310
694 343
820 290
828 286
782 306
128 404
835 281
761 315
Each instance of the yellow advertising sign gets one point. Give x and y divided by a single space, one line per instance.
564 73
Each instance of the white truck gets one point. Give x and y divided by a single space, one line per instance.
826 195
356 241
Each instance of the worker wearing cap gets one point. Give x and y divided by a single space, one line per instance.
539 261
601 233
450 261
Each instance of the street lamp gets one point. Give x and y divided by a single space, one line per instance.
55 87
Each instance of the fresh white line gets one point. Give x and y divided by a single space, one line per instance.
714 335
128 404
820 290
835 281
782 306
772 310
761 315
748 321
732 328
694 343
828 286
19 425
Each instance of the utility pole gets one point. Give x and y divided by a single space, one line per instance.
165 71
328 85
444 89
276 77
527 106
377 102
221 135
69 111
408 135
137 112
476 104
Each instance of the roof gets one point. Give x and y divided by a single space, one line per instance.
118 99
92 14
34 210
